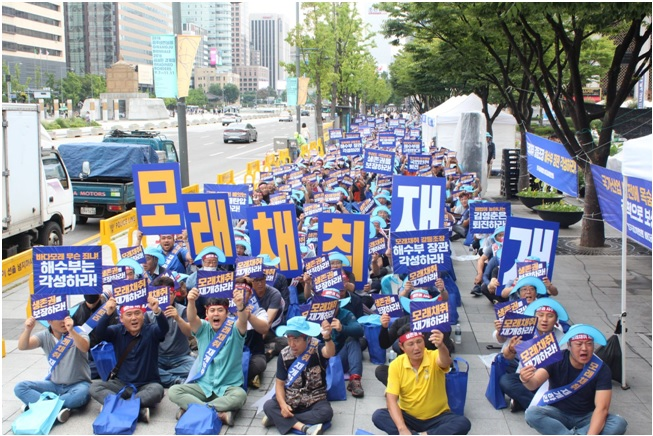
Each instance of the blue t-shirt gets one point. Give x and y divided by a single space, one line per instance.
563 373
172 260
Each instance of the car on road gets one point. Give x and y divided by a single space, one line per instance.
285 116
305 113
229 118
240 132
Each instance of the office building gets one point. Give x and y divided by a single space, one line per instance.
215 18
253 77
267 35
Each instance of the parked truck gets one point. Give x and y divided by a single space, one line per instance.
101 172
37 192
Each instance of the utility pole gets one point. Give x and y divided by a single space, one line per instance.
299 113
181 107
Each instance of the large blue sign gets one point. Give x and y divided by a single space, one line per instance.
417 203
351 146
413 251
238 198
550 162
486 217
208 218
158 198
67 270
378 161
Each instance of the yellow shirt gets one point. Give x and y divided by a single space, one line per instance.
422 393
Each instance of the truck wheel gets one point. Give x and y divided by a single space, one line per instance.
51 234
82 219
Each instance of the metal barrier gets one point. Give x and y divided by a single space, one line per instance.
226 178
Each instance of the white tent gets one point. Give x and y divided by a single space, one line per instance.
443 120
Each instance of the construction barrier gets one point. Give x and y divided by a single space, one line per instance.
253 169
112 227
16 267
226 178
192 189
284 156
269 162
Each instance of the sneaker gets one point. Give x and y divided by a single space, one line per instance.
314 429
227 418
24 407
144 415
63 415
355 387
515 406
179 413
256 382
267 422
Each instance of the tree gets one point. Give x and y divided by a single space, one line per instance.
215 89
231 93
196 97
248 98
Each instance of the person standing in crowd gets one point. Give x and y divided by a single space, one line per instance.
491 153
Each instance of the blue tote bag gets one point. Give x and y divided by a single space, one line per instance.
456 384
199 419
372 326
105 359
335 377
40 416
493 393
118 416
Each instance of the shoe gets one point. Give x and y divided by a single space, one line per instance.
179 381
476 292
314 429
227 418
24 407
267 422
355 387
179 413
256 382
144 415
515 406
63 415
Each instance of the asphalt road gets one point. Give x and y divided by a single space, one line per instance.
208 156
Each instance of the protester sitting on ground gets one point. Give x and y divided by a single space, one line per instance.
548 313
300 400
416 395
139 344
571 406
210 257
175 360
491 245
461 226
218 379
257 329
153 264
529 288
69 376
551 289
177 257
280 281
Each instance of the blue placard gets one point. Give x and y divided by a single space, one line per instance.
366 206
209 221
417 203
316 265
272 231
351 135
424 276
111 273
332 197
158 198
426 316
399 132
393 123
67 270
212 284
246 265
515 324
415 161
539 352
415 133
379 161
411 147
164 65
130 292
486 217
161 293
550 162
412 251
348 234
351 146
378 245
335 133
525 237
638 205
388 304
312 209
270 274
531 269
327 279
238 198
387 139
517 306
322 308
49 307
135 253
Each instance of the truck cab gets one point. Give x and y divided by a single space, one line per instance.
164 147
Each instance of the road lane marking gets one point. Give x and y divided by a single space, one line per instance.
251 150
216 154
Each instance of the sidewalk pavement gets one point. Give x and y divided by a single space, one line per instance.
590 290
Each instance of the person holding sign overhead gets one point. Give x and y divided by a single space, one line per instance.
300 400
416 395
580 389
218 378
69 376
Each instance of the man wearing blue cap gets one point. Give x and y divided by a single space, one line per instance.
580 389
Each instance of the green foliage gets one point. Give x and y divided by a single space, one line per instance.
68 123
215 89
561 206
248 98
196 97
231 93
544 131
538 193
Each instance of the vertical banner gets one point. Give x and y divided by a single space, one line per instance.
525 237
550 162
272 231
291 91
164 61
486 217
67 270
158 198
213 56
302 93
186 50
208 221
417 203
349 235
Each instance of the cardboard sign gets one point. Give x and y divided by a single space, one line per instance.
412 251
238 198
130 292
486 217
49 307
378 161
424 277
211 283
317 265
248 265
426 316
517 306
328 279
378 245
111 273
322 308
539 352
515 324
135 253
417 203
531 269
67 270
162 294
388 304
209 221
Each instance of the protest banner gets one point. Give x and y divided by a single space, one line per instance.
158 198
211 283
272 231
209 221
388 304
517 306
379 162
415 133
386 140
351 146
332 197
238 197
378 245
111 273
366 206
424 276
278 198
349 235
67 270
412 251
311 209
426 316
417 203
417 161
130 292
531 269
49 307
322 308
486 217
539 352
411 147
335 133
515 324
327 279
162 294
317 265
550 162
399 132
135 253
246 265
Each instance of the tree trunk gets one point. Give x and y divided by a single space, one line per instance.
318 107
524 177
592 234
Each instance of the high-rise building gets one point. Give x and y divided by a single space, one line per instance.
252 77
267 35
239 34
33 39
215 18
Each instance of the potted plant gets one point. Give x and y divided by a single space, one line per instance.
534 197
565 213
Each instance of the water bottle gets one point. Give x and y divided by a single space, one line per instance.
392 355
457 334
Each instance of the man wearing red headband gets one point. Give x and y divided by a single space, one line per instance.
416 395
140 364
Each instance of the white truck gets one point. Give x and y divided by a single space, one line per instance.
37 193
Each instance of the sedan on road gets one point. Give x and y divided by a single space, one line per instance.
240 132
229 118
285 116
